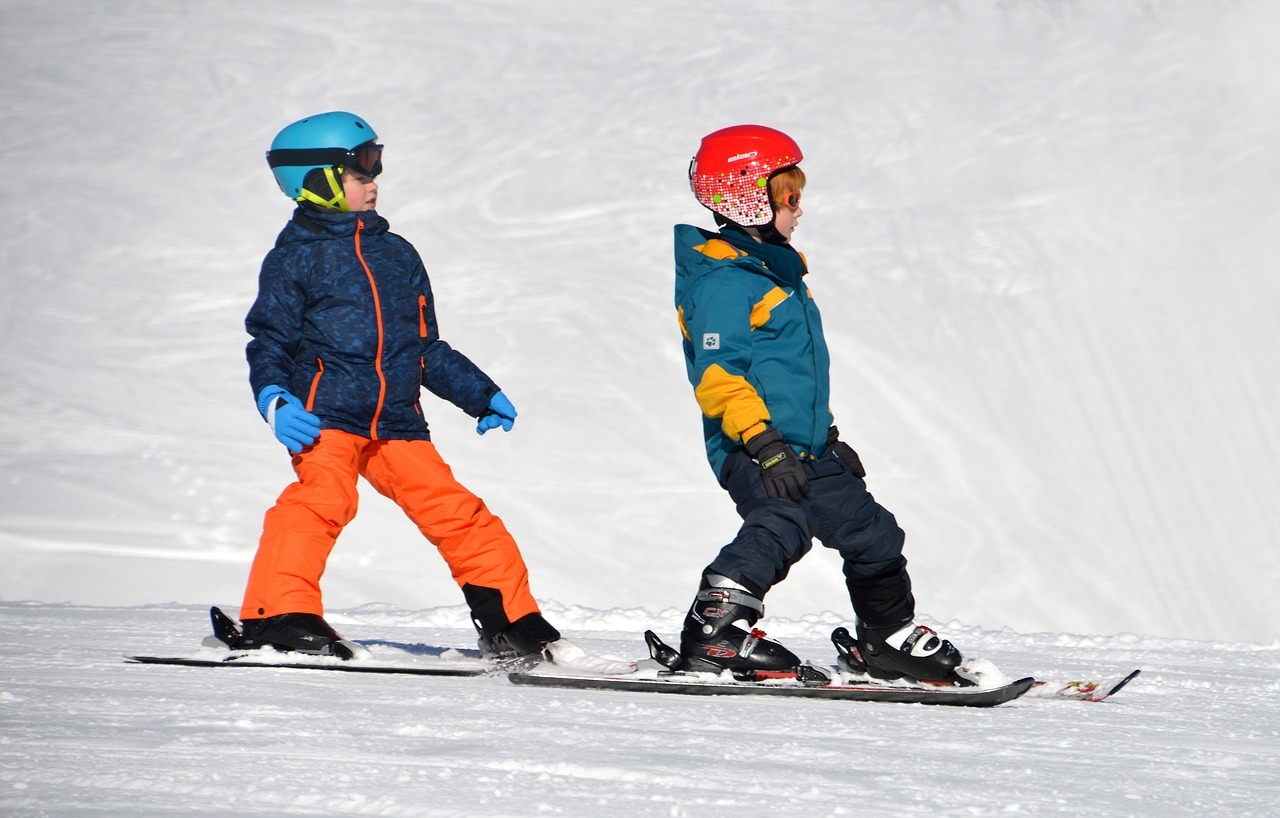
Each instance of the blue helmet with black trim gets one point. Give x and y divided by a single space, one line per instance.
322 141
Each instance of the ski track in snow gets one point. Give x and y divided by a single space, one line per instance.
85 733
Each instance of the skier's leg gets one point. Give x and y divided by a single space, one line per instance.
774 536
718 630
868 538
482 555
299 531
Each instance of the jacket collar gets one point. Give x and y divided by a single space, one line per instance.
781 259
308 224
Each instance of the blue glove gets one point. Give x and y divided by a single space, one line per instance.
501 413
293 425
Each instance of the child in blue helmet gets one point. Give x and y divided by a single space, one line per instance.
344 338
758 361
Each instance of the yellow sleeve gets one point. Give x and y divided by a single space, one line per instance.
735 402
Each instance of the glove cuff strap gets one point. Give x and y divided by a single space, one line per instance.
267 400
756 444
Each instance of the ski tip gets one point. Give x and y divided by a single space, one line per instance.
1118 685
1082 690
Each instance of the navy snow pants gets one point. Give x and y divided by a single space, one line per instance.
840 513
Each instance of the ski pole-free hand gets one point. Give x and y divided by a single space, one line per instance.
500 413
292 424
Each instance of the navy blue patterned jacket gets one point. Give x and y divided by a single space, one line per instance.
345 320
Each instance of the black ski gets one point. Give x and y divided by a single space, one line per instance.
691 684
297 662
661 674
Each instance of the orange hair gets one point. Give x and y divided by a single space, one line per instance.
788 181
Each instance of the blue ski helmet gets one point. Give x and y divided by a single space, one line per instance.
335 139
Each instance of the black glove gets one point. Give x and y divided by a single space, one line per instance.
784 477
845 453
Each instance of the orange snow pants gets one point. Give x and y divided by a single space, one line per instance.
300 530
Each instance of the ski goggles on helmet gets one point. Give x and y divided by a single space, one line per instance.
365 159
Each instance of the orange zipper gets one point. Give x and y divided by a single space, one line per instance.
315 384
377 314
422 316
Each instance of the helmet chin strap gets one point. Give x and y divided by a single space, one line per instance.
770 235
338 200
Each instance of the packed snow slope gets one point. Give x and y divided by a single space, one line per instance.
1043 235
85 734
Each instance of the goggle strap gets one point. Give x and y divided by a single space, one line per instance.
299 157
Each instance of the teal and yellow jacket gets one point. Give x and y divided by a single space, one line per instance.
753 342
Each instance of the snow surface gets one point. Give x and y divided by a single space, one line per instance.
1198 734
1043 235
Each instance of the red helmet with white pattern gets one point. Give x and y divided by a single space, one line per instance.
730 173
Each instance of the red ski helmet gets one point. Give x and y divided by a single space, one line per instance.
731 171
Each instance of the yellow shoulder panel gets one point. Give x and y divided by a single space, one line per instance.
764 307
719 249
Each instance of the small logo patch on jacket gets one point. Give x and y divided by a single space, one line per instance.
711 340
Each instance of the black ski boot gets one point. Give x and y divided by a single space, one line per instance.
905 649
718 634
520 642
297 632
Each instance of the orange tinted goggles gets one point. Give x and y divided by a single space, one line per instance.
791 200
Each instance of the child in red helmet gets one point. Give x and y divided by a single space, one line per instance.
758 361
344 338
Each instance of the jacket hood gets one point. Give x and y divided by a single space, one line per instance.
693 261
